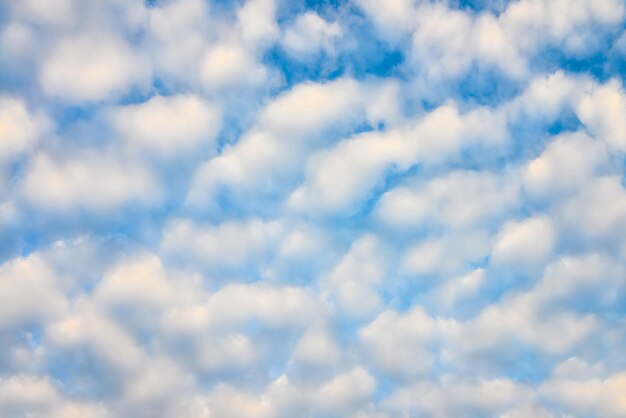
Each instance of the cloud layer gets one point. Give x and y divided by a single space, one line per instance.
279 209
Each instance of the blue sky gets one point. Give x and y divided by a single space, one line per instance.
277 209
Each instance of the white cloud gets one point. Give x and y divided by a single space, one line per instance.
447 42
223 315
228 402
354 282
302 242
92 67
20 129
603 111
62 14
161 388
234 58
137 284
315 351
457 200
226 354
257 21
228 65
522 318
576 368
594 278
23 390
447 254
228 245
37 397
448 295
559 23
169 126
214 329
29 293
598 397
92 181
458 397
525 244
399 343
397 15
85 328
272 152
342 176
533 411
598 211
567 163
311 33
546 96
309 108
337 177
178 37
278 307
345 393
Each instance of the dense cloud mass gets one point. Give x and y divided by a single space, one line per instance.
331 209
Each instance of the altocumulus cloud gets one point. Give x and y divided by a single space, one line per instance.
280 209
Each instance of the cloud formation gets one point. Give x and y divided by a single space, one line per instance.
281 209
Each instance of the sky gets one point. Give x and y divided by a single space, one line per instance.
312 208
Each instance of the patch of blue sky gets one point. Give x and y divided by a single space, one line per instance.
81 374
370 58
484 86
480 6
526 364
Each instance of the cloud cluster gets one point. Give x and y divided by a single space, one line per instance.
286 209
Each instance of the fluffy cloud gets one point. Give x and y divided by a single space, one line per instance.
604 112
137 284
399 344
353 283
19 128
271 153
30 293
257 21
461 199
225 65
309 34
89 181
450 254
345 175
565 165
75 71
178 33
315 351
602 396
38 398
524 243
599 210
169 125
231 244
447 43
468 398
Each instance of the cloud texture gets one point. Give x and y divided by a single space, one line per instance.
278 209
